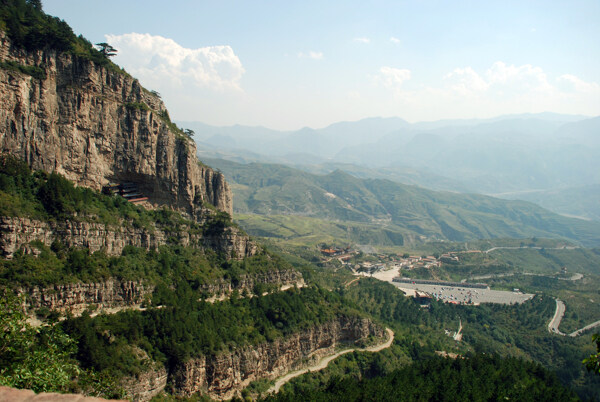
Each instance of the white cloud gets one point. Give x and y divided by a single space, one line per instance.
525 76
466 81
362 40
394 39
578 85
393 77
500 89
311 55
156 60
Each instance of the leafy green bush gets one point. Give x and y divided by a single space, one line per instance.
137 106
36 358
35 71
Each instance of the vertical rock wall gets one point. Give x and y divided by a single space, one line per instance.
97 126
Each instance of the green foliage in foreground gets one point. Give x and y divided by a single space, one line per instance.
42 359
34 358
475 378
592 363
192 328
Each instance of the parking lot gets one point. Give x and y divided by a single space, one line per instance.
456 294
466 295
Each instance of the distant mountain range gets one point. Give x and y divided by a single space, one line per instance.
407 211
544 153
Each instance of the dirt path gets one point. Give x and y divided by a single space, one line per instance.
321 364
351 282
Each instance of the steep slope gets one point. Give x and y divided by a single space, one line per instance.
96 126
215 309
276 189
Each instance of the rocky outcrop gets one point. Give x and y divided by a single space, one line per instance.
279 279
113 293
98 126
146 385
221 376
77 297
17 232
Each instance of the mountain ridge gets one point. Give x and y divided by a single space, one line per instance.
268 189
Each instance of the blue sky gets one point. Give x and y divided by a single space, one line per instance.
287 65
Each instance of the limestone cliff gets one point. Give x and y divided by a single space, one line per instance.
18 232
77 297
222 375
114 293
97 126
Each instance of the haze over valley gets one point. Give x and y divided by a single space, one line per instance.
296 202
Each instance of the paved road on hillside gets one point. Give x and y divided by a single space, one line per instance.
558 316
321 364
533 247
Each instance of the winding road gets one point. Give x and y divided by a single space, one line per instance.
558 316
321 364
532 247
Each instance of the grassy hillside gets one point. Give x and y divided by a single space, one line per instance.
412 212
573 201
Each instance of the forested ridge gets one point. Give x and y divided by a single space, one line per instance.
506 352
473 378
28 27
189 328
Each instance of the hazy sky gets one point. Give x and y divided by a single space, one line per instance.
285 65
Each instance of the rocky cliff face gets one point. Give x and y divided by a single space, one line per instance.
97 127
281 279
112 293
18 232
146 385
76 297
221 376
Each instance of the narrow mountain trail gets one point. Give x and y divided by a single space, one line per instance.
324 362
351 282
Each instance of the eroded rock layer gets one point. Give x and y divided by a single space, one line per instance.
114 293
96 127
222 375
18 232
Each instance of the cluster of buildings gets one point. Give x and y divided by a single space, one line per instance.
397 262
385 262
342 254
415 261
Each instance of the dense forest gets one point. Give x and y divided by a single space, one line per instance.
191 328
473 378
506 352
